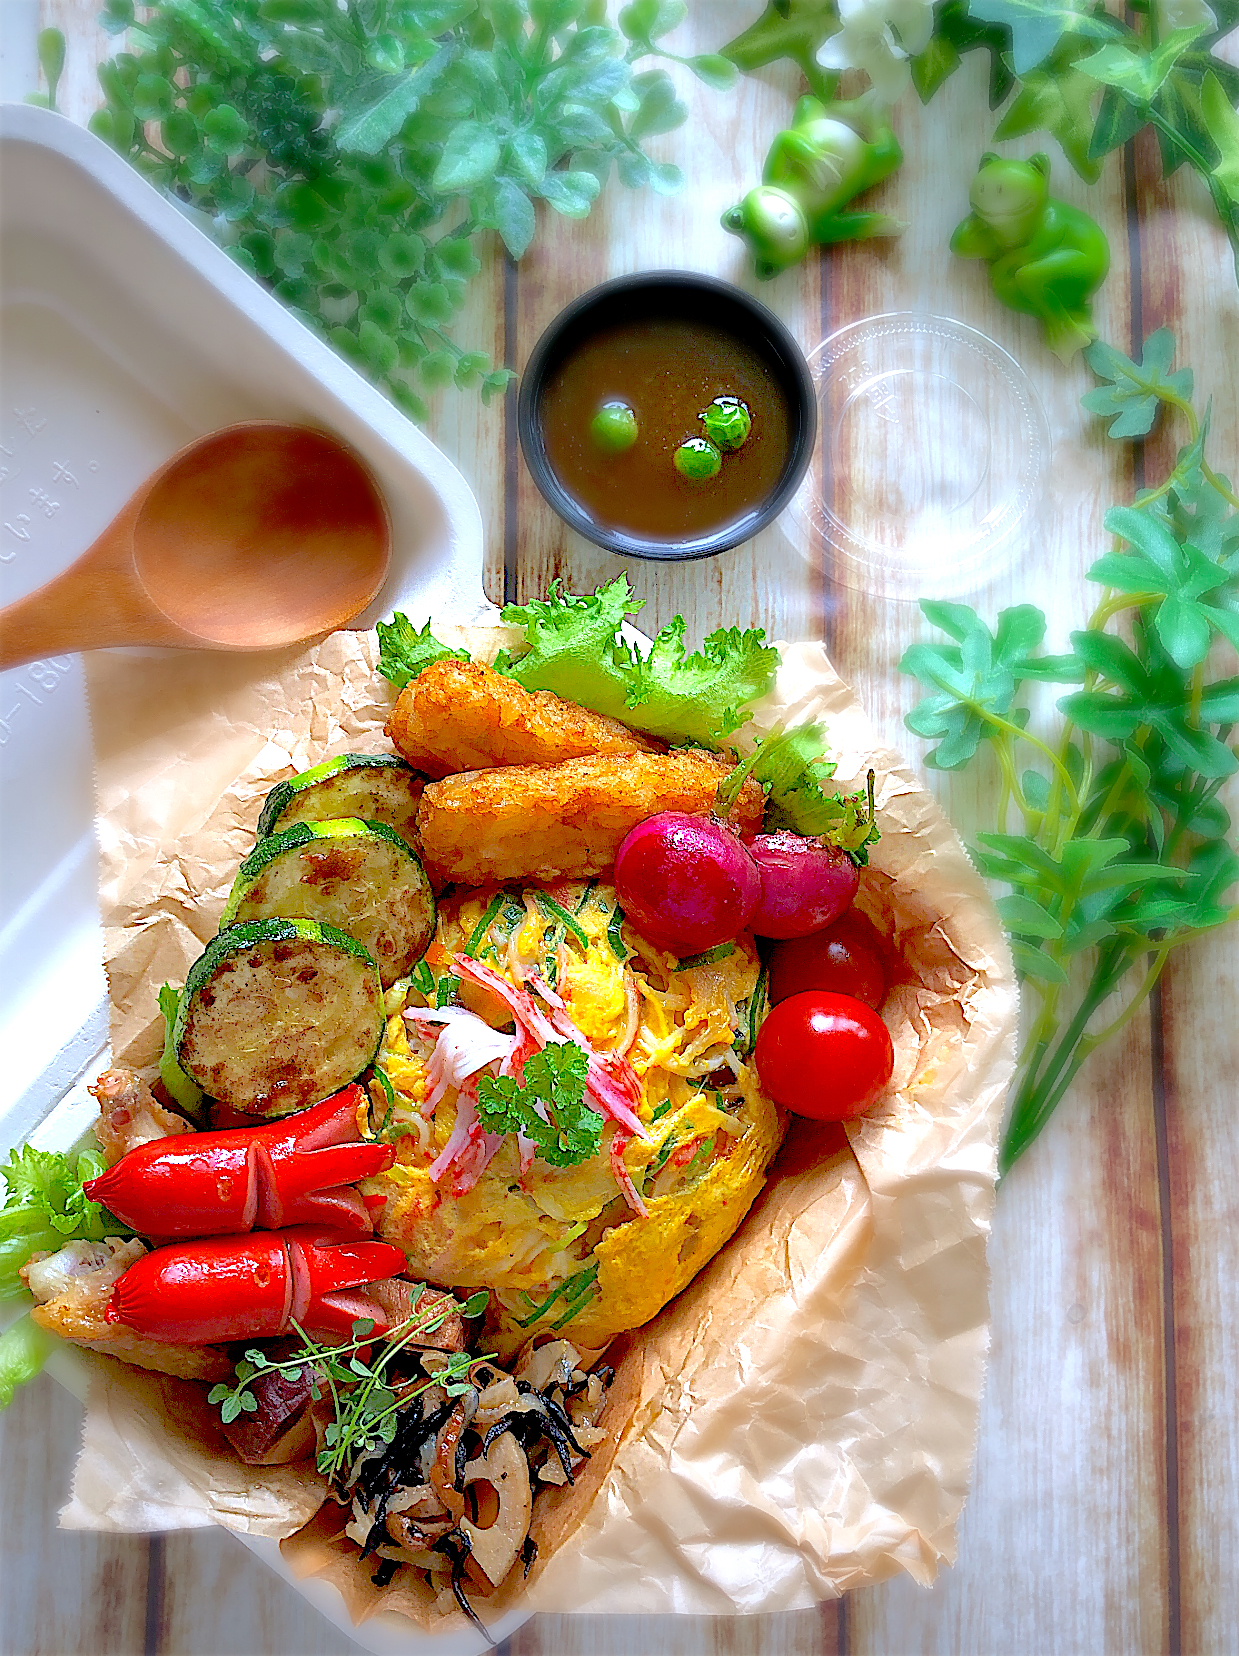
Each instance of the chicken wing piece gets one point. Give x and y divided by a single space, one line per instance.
129 1114
460 716
555 822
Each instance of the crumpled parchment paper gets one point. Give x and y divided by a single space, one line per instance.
801 1420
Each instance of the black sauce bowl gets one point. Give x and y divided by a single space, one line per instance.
675 294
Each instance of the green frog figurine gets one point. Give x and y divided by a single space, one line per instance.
1046 257
830 153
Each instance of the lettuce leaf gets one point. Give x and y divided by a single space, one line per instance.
574 647
404 652
792 766
46 1207
24 1348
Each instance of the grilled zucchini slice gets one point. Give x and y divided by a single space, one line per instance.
278 1014
358 876
377 787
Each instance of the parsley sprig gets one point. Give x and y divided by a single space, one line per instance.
548 1106
366 1396
1123 850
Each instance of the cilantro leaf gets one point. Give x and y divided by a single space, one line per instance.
574 647
404 652
1135 390
792 765
548 1106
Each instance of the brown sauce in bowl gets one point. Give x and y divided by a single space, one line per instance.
667 370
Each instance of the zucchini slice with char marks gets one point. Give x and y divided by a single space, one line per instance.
278 1014
377 787
358 876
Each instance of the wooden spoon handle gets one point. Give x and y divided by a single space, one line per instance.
97 601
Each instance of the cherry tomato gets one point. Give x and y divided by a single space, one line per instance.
845 958
823 1055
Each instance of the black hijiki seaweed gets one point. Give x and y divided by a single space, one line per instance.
548 1419
457 1546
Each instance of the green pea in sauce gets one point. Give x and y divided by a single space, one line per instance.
667 371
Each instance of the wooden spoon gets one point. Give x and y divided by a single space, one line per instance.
256 536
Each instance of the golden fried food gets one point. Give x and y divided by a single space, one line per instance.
554 822
460 716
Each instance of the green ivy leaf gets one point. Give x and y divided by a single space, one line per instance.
1222 124
1135 70
1037 26
1059 100
955 34
1135 390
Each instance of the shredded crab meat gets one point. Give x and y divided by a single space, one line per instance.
469 1148
465 1045
611 1083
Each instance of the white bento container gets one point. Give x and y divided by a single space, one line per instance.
126 333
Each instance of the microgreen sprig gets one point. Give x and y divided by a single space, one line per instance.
366 1405
1123 850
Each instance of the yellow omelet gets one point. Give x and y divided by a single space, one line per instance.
562 1247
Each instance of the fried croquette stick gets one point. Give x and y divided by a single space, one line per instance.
459 716
555 822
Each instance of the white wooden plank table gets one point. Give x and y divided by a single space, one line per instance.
1105 1510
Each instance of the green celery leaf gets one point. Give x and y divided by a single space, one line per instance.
404 652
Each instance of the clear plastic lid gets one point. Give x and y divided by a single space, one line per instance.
932 456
